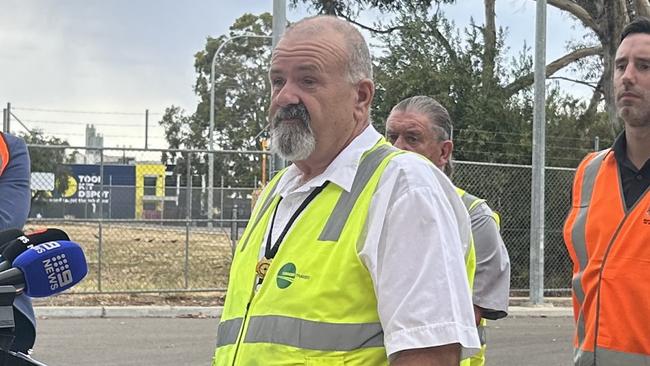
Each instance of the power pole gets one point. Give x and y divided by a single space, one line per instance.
539 140
146 128
7 121
279 25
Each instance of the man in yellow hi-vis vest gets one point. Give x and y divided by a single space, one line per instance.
336 262
422 125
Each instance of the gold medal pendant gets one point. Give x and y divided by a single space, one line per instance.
262 267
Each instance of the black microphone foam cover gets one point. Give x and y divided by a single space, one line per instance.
7 236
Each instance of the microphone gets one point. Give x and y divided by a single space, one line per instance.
22 242
47 269
8 235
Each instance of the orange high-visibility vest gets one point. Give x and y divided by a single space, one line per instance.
4 153
610 250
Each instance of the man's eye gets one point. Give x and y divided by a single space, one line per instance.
392 138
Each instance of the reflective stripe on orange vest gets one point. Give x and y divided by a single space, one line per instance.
609 249
4 153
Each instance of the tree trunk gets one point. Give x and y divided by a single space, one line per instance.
589 115
490 37
642 8
614 15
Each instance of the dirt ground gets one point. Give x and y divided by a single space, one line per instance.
147 257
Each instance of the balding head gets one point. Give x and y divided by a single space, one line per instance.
321 92
359 64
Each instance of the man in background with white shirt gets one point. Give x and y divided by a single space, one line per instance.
354 254
422 125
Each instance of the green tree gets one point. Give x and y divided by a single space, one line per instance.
241 104
428 56
602 19
47 158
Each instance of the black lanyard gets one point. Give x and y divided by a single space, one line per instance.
270 251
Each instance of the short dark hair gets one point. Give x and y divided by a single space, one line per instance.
638 25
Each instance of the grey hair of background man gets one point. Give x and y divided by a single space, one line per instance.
437 116
359 61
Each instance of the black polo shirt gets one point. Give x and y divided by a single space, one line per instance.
635 181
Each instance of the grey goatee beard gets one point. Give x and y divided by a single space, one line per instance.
292 141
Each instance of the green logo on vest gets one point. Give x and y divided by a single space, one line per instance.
286 275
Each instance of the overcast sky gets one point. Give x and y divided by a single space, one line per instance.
120 57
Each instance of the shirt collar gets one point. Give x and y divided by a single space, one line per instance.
620 148
341 170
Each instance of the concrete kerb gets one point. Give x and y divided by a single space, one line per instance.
127 311
214 312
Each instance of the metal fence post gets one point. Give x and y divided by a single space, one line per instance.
221 203
188 218
101 218
234 230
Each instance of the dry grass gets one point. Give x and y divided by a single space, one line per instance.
147 257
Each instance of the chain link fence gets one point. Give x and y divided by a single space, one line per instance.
507 189
146 226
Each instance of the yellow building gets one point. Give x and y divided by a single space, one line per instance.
149 191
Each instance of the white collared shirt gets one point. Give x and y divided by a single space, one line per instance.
417 233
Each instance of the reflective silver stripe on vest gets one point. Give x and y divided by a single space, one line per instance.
265 206
470 201
306 334
228 331
339 216
578 234
606 357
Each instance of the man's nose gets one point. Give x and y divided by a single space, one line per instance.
629 75
287 95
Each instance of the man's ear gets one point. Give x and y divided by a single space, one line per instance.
446 148
365 90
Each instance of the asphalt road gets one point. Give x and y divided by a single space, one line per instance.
516 341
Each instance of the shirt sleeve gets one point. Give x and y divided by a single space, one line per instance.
413 251
15 192
492 277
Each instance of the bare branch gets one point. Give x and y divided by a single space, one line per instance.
585 83
596 98
371 29
490 37
577 11
552 68
436 34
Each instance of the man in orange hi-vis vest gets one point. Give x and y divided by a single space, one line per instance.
607 231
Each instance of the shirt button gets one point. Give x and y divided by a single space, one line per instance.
639 177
